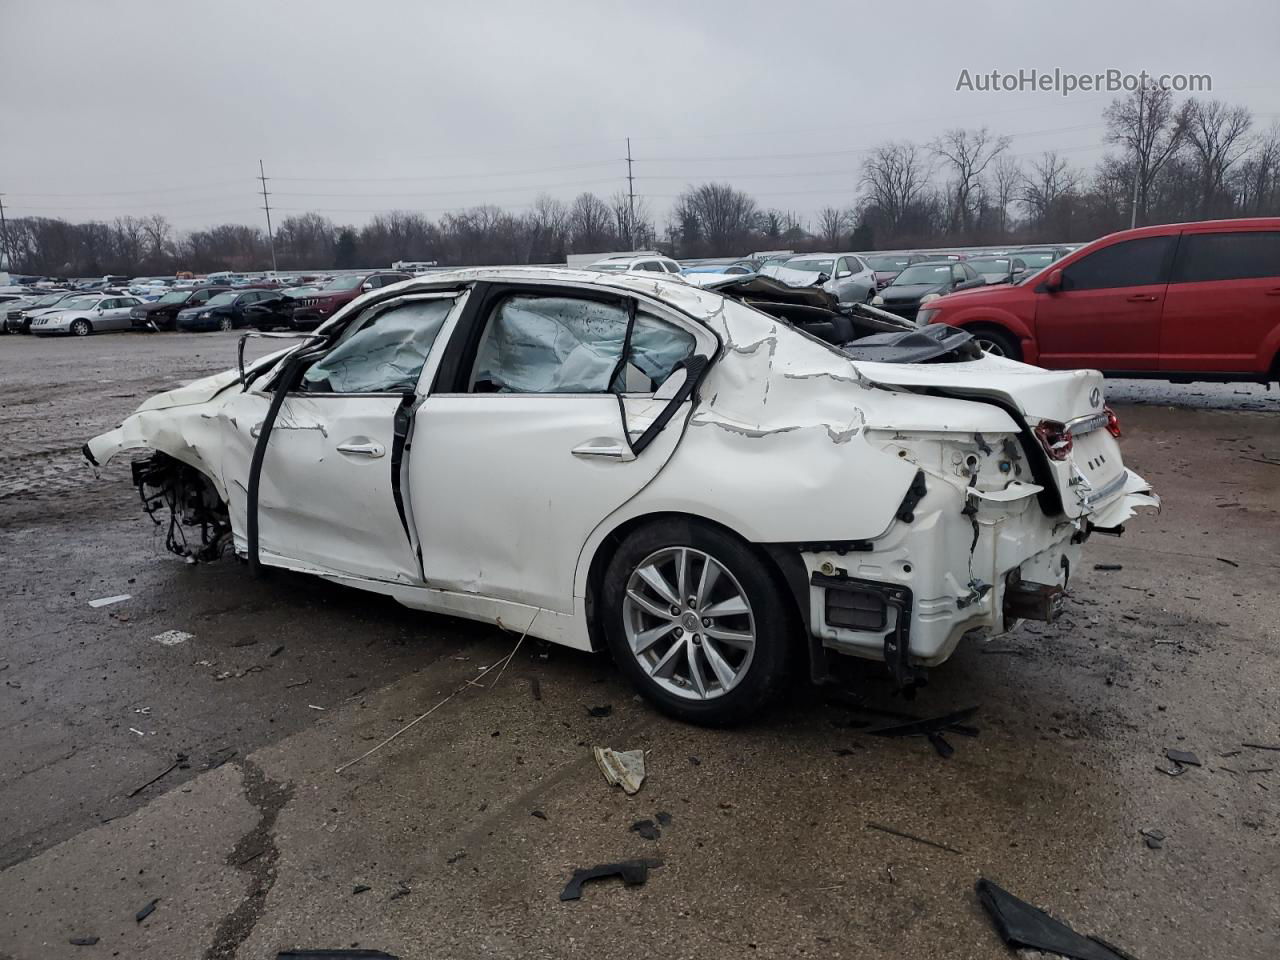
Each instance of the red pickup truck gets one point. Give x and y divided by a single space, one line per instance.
1180 302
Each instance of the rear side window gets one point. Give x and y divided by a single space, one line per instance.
1242 255
1133 263
652 265
546 344
384 351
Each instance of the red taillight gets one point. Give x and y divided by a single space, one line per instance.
1113 422
1055 438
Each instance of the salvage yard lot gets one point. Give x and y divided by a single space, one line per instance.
255 844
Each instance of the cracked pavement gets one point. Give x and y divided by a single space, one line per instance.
255 844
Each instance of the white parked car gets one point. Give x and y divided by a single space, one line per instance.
640 263
848 277
625 460
83 315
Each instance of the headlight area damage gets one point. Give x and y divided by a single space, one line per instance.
891 489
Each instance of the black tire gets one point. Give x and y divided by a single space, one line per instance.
996 341
768 666
81 327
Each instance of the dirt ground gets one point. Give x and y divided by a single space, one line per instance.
465 829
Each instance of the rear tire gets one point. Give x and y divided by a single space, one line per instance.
717 655
81 327
997 342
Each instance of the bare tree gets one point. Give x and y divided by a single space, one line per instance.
833 224
1050 183
591 224
1216 134
1006 177
158 231
895 176
1151 131
967 153
727 219
1258 175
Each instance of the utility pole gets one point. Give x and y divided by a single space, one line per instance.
266 205
5 260
631 201
1137 156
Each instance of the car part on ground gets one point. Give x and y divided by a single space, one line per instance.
716 463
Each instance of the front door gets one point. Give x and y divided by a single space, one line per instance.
1107 313
522 451
327 500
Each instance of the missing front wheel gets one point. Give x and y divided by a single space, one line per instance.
192 503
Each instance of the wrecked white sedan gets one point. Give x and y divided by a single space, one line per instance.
711 483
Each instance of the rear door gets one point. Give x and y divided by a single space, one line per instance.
522 450
1223 304
115 314
1107 313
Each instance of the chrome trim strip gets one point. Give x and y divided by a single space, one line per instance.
1086 424
1112 485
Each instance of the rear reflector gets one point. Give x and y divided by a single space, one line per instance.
1113 422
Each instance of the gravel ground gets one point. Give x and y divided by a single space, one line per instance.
466 828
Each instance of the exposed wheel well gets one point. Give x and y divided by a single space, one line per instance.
609 545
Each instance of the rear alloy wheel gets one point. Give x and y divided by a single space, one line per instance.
81 327
696 621
997 343
224 323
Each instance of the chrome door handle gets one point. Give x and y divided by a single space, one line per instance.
366 449
604 448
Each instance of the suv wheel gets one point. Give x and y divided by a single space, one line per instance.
996 342
696 621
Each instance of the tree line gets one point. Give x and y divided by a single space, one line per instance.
1172 161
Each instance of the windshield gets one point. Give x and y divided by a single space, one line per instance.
996 266
1036 260
177 296
924 273
888 264
49 300
810 266
81 303
343 283
222 299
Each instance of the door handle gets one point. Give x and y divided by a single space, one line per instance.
1143 298
604 448
366 448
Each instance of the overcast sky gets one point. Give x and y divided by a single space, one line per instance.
132 106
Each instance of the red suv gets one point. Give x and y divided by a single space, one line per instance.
1181 302
313 309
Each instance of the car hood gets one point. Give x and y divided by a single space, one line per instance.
910 291
204 389
992 293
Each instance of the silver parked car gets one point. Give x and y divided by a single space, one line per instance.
848 277
92 313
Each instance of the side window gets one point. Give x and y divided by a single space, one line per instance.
653 266
672 266
1242 255
1132 263
957 273
547 344
383 351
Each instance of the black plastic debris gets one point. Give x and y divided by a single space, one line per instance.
1153 838
633 874
328 954
602 711
535 688
1185 757
663 818
360 888
181 761
1022 925
1231 562
647 829
83 941
932 729
146 911
538 813
1108 566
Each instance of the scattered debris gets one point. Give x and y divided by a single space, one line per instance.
333 954
911 836
1261 746
83 941
843 751
932 728
1176 771
146 911
632 872
277 651
181 761
219 757
360 888
623 768
535 688
697 763
1258 769
1108 566
1153 838
460 855
237 674
402 890
297 683
647 829
1185 757
137 731
1022 925
1232 562
171 638
538 813
244 642
603 711
314 706
664 819
108 601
